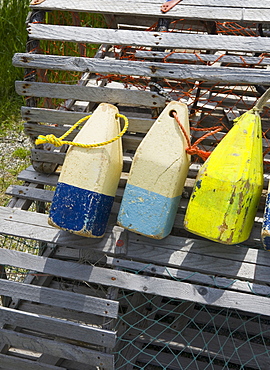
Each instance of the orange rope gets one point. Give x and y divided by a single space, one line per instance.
194 149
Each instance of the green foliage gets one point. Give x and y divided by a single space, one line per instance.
21 153
13 37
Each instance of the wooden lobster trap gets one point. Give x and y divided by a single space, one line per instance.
127 301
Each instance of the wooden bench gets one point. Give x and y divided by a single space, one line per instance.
127 301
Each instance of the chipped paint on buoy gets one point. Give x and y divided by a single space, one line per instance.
266 222
157 176
228 187
89 178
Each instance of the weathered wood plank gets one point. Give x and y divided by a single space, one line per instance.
223 348
163 358
59 328
212 3
61 350
169 40
183 275
208 12
234 59
25 192
12 362
58 298
87 93
227 75
61 313
60 118
130 281
203 255
38 178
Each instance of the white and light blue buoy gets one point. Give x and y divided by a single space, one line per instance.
89 178
266 222
157 176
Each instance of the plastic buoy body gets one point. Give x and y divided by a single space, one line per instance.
157 176
228 186
89 178
266 222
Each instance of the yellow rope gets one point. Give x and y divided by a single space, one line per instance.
59 141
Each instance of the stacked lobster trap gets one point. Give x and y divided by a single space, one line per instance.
127 301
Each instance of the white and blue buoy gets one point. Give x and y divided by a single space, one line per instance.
157 176
89 178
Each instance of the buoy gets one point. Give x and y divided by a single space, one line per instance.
157 176
89 178
227 190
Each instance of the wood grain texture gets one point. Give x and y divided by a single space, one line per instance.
233 75
60 118
61 350
241 60
11 363
130 281
87 93
198 10
57 327
58 298
169 40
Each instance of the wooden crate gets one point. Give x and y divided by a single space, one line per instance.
127 301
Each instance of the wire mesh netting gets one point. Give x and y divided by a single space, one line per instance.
156 332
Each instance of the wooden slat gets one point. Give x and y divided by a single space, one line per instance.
189 57
59 349
222 12
58 328
130 281
16 222
61 313
227 75
87 93
169 40
58 298
12 362
221 347
25 192
177 274
176 362
59 118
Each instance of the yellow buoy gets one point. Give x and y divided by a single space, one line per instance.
228 186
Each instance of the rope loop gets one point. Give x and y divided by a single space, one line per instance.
51 139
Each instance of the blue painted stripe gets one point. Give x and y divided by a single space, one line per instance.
80 211
146 212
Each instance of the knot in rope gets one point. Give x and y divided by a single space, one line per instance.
51 139
194 149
